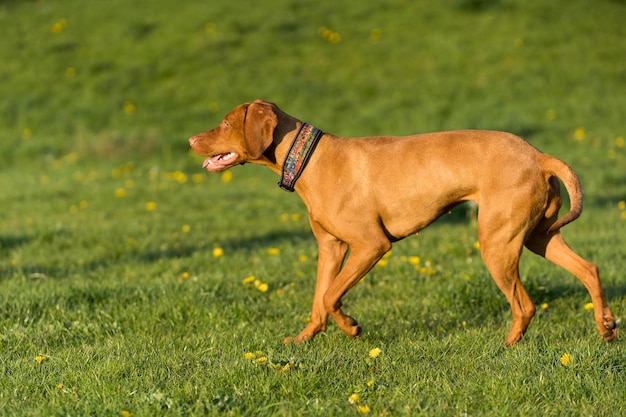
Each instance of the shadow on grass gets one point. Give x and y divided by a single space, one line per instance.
8 243
476 306
11 242
244 243
605 201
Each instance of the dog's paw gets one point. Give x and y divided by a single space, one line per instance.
354 329
610 334
357 331
512 339
289 340
305 335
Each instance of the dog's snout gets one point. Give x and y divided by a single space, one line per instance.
193 140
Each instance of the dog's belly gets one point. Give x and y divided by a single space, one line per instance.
414 218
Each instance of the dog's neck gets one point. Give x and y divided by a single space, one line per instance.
298 156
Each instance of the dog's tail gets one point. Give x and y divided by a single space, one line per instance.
556 167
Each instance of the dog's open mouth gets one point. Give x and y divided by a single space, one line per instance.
220 161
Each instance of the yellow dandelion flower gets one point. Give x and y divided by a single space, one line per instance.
151 206
477 245
125 413
71 157
544 306
60 386
26 133
58 27
262 359
588 306
566 359
70 72
183 276
623 215
414 260
120 193
217 252
370 383
619 142
129 107
329 35
295 217
210 28
375 35
186 228
197 178
579 134
248 280
611 153
40 358
83 204
354 398
249 355
178 176
382 262
227 176
621 205
426 270
303 258
273 251
363 409
284 217
261 286
374 353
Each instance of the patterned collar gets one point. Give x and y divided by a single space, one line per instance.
299 153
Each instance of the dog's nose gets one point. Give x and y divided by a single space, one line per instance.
192 140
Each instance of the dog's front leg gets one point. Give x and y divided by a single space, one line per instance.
331 253
361 259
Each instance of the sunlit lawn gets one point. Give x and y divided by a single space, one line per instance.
134 283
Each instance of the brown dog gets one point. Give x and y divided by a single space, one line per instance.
362 194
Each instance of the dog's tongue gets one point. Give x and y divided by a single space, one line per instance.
207 162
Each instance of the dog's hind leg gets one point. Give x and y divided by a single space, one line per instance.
554 248
500 247
503 264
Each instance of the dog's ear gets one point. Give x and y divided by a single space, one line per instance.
258 128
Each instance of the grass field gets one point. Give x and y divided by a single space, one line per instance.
133 283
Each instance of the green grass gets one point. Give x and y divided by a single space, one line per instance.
108 225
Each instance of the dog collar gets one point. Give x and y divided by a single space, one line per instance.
299 154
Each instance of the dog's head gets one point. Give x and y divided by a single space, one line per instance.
244 134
